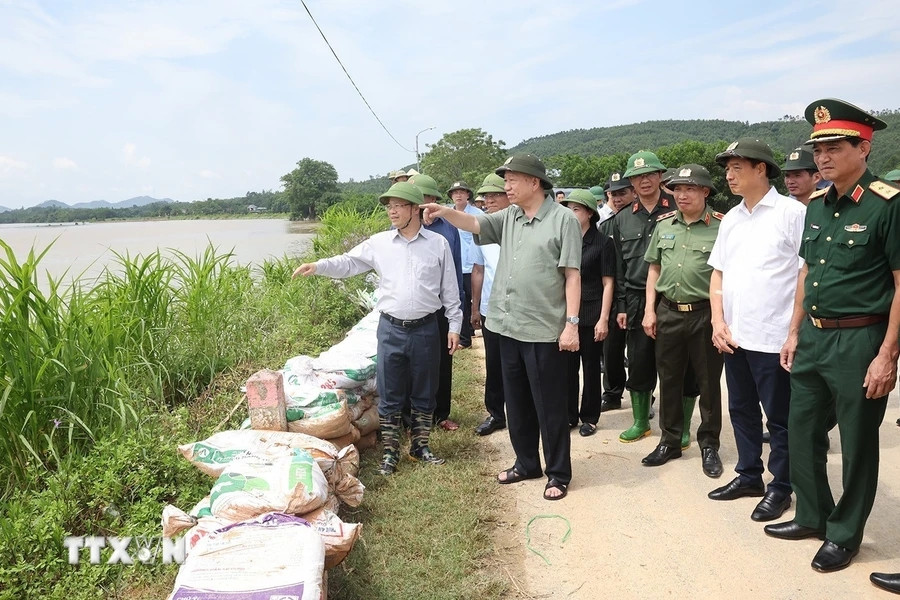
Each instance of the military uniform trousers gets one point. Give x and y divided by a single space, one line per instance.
614 362
588 357
407 367
684 340
493 379
827 374
536 406
642 353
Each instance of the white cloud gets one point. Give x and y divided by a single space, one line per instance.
9 164
64 163
131 158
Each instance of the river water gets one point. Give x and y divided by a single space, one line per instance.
83 250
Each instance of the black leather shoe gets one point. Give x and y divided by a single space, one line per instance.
789 530
489 426
886 581
735 489
712 464
661 455
772 506
607 404
832 557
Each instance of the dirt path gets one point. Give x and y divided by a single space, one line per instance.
639 532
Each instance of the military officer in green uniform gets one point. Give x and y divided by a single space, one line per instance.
801 176
631 231
842 346
678 316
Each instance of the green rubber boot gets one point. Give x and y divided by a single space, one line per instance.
689 404
640 408
418 443
390 439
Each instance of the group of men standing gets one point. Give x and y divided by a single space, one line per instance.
796 298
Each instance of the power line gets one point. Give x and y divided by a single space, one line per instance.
303 2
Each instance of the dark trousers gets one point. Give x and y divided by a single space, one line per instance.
684 342
407 367
466 333
827 375
614 362
588 359
445 371
536 406
754 379
493 381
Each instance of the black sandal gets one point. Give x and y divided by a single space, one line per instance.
555 484
513 476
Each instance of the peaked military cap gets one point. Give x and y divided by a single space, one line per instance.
668 175
834 119
753 149
617 181
692 174
799 159
643 162
403 190
529 164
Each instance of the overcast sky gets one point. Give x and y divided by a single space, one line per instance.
191 99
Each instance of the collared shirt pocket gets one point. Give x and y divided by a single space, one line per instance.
809 246
849 249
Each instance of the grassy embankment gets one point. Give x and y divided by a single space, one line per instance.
98 386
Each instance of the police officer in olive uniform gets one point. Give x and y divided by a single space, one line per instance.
631 230
842 347
801 175
678 316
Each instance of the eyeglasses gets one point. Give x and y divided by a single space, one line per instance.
389 207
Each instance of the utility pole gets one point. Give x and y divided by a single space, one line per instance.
418 166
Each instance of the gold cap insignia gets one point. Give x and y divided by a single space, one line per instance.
731 146
822 115
638 163
508 160
794 156
684 173
615 177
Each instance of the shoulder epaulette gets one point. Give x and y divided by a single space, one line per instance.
666 215
883 189
819 193
718 215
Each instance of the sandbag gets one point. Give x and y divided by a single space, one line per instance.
368 441
272 556
367 422
329 422
345 440
278 480
339 537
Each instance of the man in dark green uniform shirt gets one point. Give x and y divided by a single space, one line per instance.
842 346
678 317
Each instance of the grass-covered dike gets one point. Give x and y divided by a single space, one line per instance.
98 386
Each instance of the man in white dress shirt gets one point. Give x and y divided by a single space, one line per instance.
755 264
417 278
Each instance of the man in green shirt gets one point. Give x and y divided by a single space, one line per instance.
842 347
678 317
534 308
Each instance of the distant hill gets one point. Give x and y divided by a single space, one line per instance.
782 135
131 202
4 209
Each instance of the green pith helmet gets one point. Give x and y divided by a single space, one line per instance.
667 176
692 174
403 190
617 181
461 185
528 164
492 184
643 162
597 192
582 197
799 159
426 184
834 119
892 176
752 149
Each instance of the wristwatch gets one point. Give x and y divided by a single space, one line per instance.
572 320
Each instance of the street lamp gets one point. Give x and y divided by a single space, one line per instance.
419 168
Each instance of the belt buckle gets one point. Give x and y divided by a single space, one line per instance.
684 308
406 324
816 322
